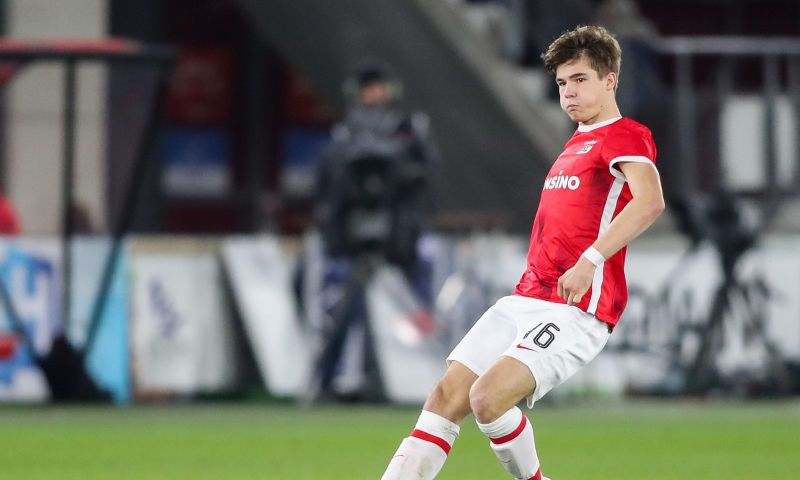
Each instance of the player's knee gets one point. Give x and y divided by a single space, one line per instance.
447 401
484 406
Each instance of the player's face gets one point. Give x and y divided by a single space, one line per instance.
585 96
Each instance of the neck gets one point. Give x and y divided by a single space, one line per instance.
607 112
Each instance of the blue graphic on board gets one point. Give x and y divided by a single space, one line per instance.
197 161
168 319
302 151
32 282
33 278
107 360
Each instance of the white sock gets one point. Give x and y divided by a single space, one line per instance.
511 438
422 455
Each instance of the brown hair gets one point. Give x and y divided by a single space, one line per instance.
596 43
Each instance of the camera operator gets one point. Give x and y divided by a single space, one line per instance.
372 198
372 185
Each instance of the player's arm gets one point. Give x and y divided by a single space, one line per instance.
645 206
643 209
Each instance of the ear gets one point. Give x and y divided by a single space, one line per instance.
611 81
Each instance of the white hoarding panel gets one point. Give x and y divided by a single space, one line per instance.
182 334
261 271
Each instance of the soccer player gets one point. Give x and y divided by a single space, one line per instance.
601 193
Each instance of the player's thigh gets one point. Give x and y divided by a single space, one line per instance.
488 338
501 387
555 344
450 396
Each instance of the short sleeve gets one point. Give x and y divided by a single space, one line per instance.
628 145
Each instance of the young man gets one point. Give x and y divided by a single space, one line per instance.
601 193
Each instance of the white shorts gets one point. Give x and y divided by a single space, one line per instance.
553 340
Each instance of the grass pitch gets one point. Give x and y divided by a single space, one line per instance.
649 441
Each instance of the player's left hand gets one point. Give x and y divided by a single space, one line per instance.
575 282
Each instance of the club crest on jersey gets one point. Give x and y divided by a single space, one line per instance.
562 181
586 147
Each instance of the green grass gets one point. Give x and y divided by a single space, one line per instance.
648 441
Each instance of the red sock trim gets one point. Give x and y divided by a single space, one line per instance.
512 435
538 475
433 439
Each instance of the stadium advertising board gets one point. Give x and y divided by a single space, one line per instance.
31 269
182 334
260 271
31 273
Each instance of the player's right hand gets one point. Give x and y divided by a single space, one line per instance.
576 281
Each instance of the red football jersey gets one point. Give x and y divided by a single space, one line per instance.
583 192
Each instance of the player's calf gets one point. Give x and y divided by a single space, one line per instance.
450 397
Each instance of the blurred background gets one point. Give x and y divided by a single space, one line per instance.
239 237
308 202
